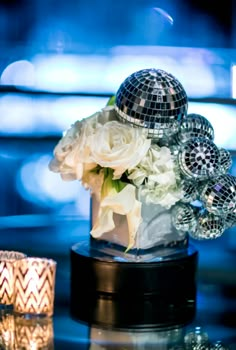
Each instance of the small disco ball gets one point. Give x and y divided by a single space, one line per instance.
196 339
219 195
195 125
209 226
152 99
190 191
225 160
199 158
183 217
230 220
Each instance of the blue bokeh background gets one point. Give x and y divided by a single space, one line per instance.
59 62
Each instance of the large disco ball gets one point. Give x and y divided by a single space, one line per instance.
152 99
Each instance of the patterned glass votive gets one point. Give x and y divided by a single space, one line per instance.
36 333
7 282
35 286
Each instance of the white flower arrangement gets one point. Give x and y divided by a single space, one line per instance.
113 160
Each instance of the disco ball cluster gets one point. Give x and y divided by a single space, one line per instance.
155 100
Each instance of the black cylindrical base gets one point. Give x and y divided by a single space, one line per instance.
121 294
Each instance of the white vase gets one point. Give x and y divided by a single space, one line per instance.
156 235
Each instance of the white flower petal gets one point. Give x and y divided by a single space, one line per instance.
134 220
68 177
104 222
170 199
166 178
118 146
121 202
54 165
137 176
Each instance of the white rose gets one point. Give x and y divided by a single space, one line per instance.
73 151
66 143
101 117
62 154
118 146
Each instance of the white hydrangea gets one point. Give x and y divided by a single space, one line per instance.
157 176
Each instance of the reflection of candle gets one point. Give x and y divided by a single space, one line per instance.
7 337
7 259
34 333
34 286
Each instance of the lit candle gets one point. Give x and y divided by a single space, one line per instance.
7 282
34 286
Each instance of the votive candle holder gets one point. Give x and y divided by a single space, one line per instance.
7 278
35 286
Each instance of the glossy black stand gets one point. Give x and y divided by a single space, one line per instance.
127 294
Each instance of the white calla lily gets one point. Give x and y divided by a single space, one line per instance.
104 222
134 219
122 203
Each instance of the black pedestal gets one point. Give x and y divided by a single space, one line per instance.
123 294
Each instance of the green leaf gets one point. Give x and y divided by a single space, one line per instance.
109 185
111 101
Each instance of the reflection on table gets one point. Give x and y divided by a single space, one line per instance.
38 334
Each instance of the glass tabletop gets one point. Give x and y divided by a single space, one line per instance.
214 321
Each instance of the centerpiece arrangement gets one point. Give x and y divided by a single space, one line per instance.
145 150
155 176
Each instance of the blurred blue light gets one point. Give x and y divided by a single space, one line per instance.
37 184
66 110
35 181
24 115
57 72
194 67
19 73
71 73
32 220
105 73
102 73
17 114
233 71
223 120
